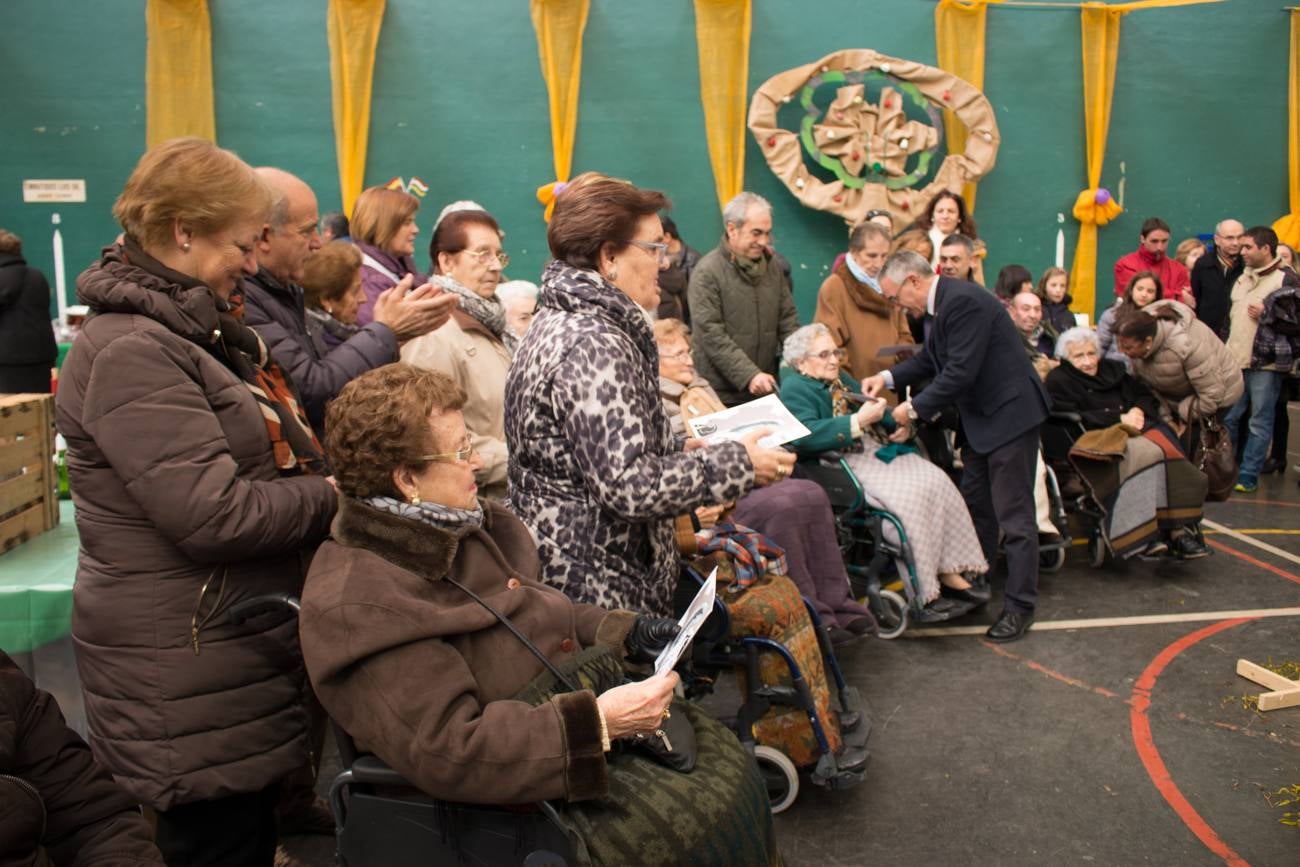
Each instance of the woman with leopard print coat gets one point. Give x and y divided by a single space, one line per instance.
595 470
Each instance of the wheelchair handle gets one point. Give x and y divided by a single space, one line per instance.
242 612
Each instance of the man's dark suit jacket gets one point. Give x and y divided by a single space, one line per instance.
978 364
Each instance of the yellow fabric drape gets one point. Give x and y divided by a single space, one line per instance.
353 27
178 71
722 29
560 25
1094 207
1288 227
959 27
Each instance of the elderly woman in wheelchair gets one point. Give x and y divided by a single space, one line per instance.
945 551
1106 427
429 639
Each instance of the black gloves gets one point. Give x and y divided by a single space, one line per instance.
648 637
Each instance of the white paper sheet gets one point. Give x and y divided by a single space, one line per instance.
734 422
693 618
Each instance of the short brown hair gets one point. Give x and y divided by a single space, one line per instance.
859 234
379 212
452 234
191 180
1186 246
595 210
671 329
10 243
330 272
380 422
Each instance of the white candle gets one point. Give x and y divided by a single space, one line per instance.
60 280
1060 248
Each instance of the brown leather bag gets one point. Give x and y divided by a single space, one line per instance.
1212 454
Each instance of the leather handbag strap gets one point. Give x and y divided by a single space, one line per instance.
514 630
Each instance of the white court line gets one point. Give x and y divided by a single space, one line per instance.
1241 537
1103 622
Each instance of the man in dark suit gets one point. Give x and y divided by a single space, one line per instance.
977 363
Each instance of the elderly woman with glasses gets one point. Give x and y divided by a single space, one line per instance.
596 471
475 346
429 638
893 474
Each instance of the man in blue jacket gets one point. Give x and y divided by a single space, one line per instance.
978 364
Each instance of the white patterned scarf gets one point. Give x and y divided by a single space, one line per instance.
433 514
488 311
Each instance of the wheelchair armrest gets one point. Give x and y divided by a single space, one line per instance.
1071 417
242 612
831 458
370 769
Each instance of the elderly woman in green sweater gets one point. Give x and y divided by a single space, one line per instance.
893 474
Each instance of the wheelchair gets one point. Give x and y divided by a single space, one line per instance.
381 820
1077 505
713 652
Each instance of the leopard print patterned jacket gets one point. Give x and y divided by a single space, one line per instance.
595 469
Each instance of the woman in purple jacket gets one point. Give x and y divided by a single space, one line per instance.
384 230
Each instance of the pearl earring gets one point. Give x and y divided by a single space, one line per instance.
186 246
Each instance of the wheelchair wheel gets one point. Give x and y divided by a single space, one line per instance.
1096 551
780 776
1051 561
893 614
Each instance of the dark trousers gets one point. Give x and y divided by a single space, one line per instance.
999 491
234 831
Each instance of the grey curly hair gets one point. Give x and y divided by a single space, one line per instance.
798 346
734 212
1071 336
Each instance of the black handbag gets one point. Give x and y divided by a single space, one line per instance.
1212 454
672 745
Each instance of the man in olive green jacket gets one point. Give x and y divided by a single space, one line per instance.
742 306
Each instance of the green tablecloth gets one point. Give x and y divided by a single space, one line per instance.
36 587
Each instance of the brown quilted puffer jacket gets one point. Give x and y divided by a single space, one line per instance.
182 513
1189 368
56 806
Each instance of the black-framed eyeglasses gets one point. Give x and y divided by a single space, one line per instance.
657 249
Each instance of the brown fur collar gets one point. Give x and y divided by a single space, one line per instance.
416 547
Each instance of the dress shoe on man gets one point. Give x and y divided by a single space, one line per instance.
978 593
1010 626
1272 465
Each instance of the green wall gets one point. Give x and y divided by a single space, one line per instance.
1199 119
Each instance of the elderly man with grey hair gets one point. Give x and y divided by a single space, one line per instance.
977 363
274 305
742 306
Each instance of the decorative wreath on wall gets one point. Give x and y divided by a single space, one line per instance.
876 153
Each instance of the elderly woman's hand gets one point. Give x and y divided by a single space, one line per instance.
770 465
1134 418
708 516
871 412
637 707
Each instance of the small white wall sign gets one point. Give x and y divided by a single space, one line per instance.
65 190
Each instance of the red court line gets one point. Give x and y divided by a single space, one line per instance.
1042 669
1150 756
1269 567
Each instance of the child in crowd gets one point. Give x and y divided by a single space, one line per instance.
1054 292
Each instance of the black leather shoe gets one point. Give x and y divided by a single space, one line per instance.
1272 465
942 609
840 637
1011 626
978 593
1187 547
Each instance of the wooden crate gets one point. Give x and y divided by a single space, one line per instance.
29 497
